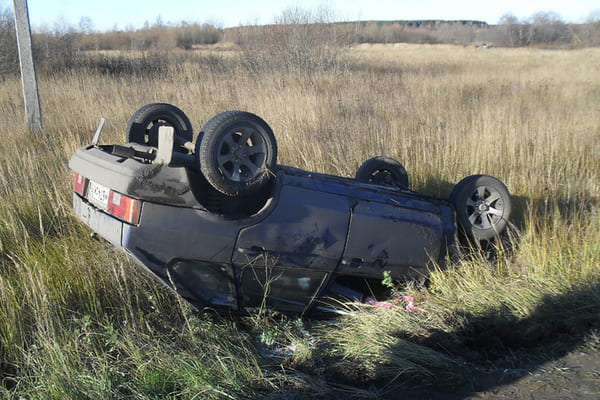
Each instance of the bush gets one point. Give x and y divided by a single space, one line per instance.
588 34
56 50
188 35
9 56
543 28
299 41
397 32
52 50
149 65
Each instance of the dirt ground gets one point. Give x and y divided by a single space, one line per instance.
573 376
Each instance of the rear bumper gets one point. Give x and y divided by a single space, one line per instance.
101 223
131 177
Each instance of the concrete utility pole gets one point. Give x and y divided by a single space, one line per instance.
31 96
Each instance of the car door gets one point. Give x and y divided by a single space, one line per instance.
399 234
286 258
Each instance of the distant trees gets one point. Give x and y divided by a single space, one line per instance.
54 48
155 37
57 48
63 46
513 33
546 29
589 32
188 35
9 56
299 38
394 32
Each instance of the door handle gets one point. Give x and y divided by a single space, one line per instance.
253 251
354 262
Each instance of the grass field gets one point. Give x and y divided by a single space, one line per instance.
79 320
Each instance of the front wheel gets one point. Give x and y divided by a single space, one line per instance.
483 206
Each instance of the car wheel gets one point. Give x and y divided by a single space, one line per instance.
236 151
143 125
383 171
482 205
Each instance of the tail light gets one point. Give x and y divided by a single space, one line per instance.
124 207
79 184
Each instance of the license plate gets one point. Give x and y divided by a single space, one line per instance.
98 194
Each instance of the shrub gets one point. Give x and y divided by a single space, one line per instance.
56 50
300 40
9 56
152 64
188 35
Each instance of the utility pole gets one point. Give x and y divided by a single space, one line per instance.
33 111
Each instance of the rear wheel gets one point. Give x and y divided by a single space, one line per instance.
483 206
383 171
236 151
143 125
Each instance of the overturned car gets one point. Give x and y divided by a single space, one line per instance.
226 227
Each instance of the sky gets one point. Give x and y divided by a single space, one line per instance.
124 14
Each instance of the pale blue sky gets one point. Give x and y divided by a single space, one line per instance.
107 14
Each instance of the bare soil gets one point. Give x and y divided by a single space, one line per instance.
573 376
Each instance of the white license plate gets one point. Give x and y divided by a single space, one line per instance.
98 194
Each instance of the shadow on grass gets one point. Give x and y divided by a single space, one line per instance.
497 350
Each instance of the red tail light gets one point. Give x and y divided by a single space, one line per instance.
124 207
79 184
118 205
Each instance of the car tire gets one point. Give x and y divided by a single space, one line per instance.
144 123
383 171
483 206
236 151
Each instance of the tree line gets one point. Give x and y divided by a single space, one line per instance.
66 47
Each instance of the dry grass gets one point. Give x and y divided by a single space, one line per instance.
527 116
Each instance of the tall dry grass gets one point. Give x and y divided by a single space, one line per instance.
78 320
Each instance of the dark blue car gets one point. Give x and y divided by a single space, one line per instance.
226 227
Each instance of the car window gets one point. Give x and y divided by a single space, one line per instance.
209 283
287 289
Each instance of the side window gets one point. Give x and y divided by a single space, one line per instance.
204 283
288 289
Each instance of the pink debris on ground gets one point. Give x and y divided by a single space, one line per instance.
385 304
410 304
